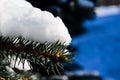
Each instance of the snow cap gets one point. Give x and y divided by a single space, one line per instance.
20 18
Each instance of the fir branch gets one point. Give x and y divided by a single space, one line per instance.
36 52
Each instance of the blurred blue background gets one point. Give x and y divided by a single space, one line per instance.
99 48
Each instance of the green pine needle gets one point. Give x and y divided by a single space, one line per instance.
36 52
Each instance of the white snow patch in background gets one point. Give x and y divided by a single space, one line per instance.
107 10
20 18
19 64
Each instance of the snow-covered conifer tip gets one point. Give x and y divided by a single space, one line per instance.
20 18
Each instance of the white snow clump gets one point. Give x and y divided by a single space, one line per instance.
20 18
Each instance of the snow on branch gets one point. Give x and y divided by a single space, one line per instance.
20 18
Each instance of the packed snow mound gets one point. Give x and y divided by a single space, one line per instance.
20 18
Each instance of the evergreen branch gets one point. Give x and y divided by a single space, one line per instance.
36 52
